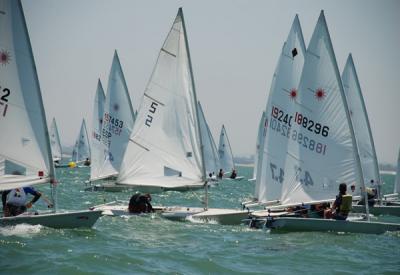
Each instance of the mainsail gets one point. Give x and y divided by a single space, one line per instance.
258 152
164 149
24 138
362 129
81 149
209 148
279 118
322 151
118 120
55 142
225 152
97 147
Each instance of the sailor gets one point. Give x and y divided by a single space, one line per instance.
341 206
372 195
140 203
220 174
233 174
15 200
87 162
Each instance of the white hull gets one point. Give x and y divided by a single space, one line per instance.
178 213
112 187
378 210
307 224
71 219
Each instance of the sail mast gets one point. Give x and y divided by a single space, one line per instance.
180 13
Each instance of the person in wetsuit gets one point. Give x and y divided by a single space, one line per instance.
233 174
140 203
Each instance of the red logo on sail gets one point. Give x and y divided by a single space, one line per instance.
293 94
5 57
320 94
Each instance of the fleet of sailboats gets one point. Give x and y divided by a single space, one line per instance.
313 135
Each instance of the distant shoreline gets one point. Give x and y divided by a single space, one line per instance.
245 164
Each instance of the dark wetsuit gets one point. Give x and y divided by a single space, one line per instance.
140 204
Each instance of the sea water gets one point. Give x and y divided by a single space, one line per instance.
143 245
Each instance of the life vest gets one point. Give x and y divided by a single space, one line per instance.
345 206
17 197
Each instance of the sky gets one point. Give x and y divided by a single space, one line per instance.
234 46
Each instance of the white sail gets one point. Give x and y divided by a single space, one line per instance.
165 146
362 130
97 148
55 141
209 149
24 138
257 155
81 149
282 101
225 152
322 152
397 180
118 121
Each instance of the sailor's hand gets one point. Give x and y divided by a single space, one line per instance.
50 206
28 205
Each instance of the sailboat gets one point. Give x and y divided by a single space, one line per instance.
282 99
117 124
55 142
322 150
97 149
257 155
225 154
211 159
165 150
365 142
81 150
26 142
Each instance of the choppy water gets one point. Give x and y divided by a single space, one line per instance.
153 245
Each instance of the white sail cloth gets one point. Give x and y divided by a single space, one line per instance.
258 152
118 121
164 148
362 130
283 98
209 148
24 136
55 142
97 148
81 149
225 152
322 152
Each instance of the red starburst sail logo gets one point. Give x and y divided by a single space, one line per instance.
5 57
320 94
293 94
